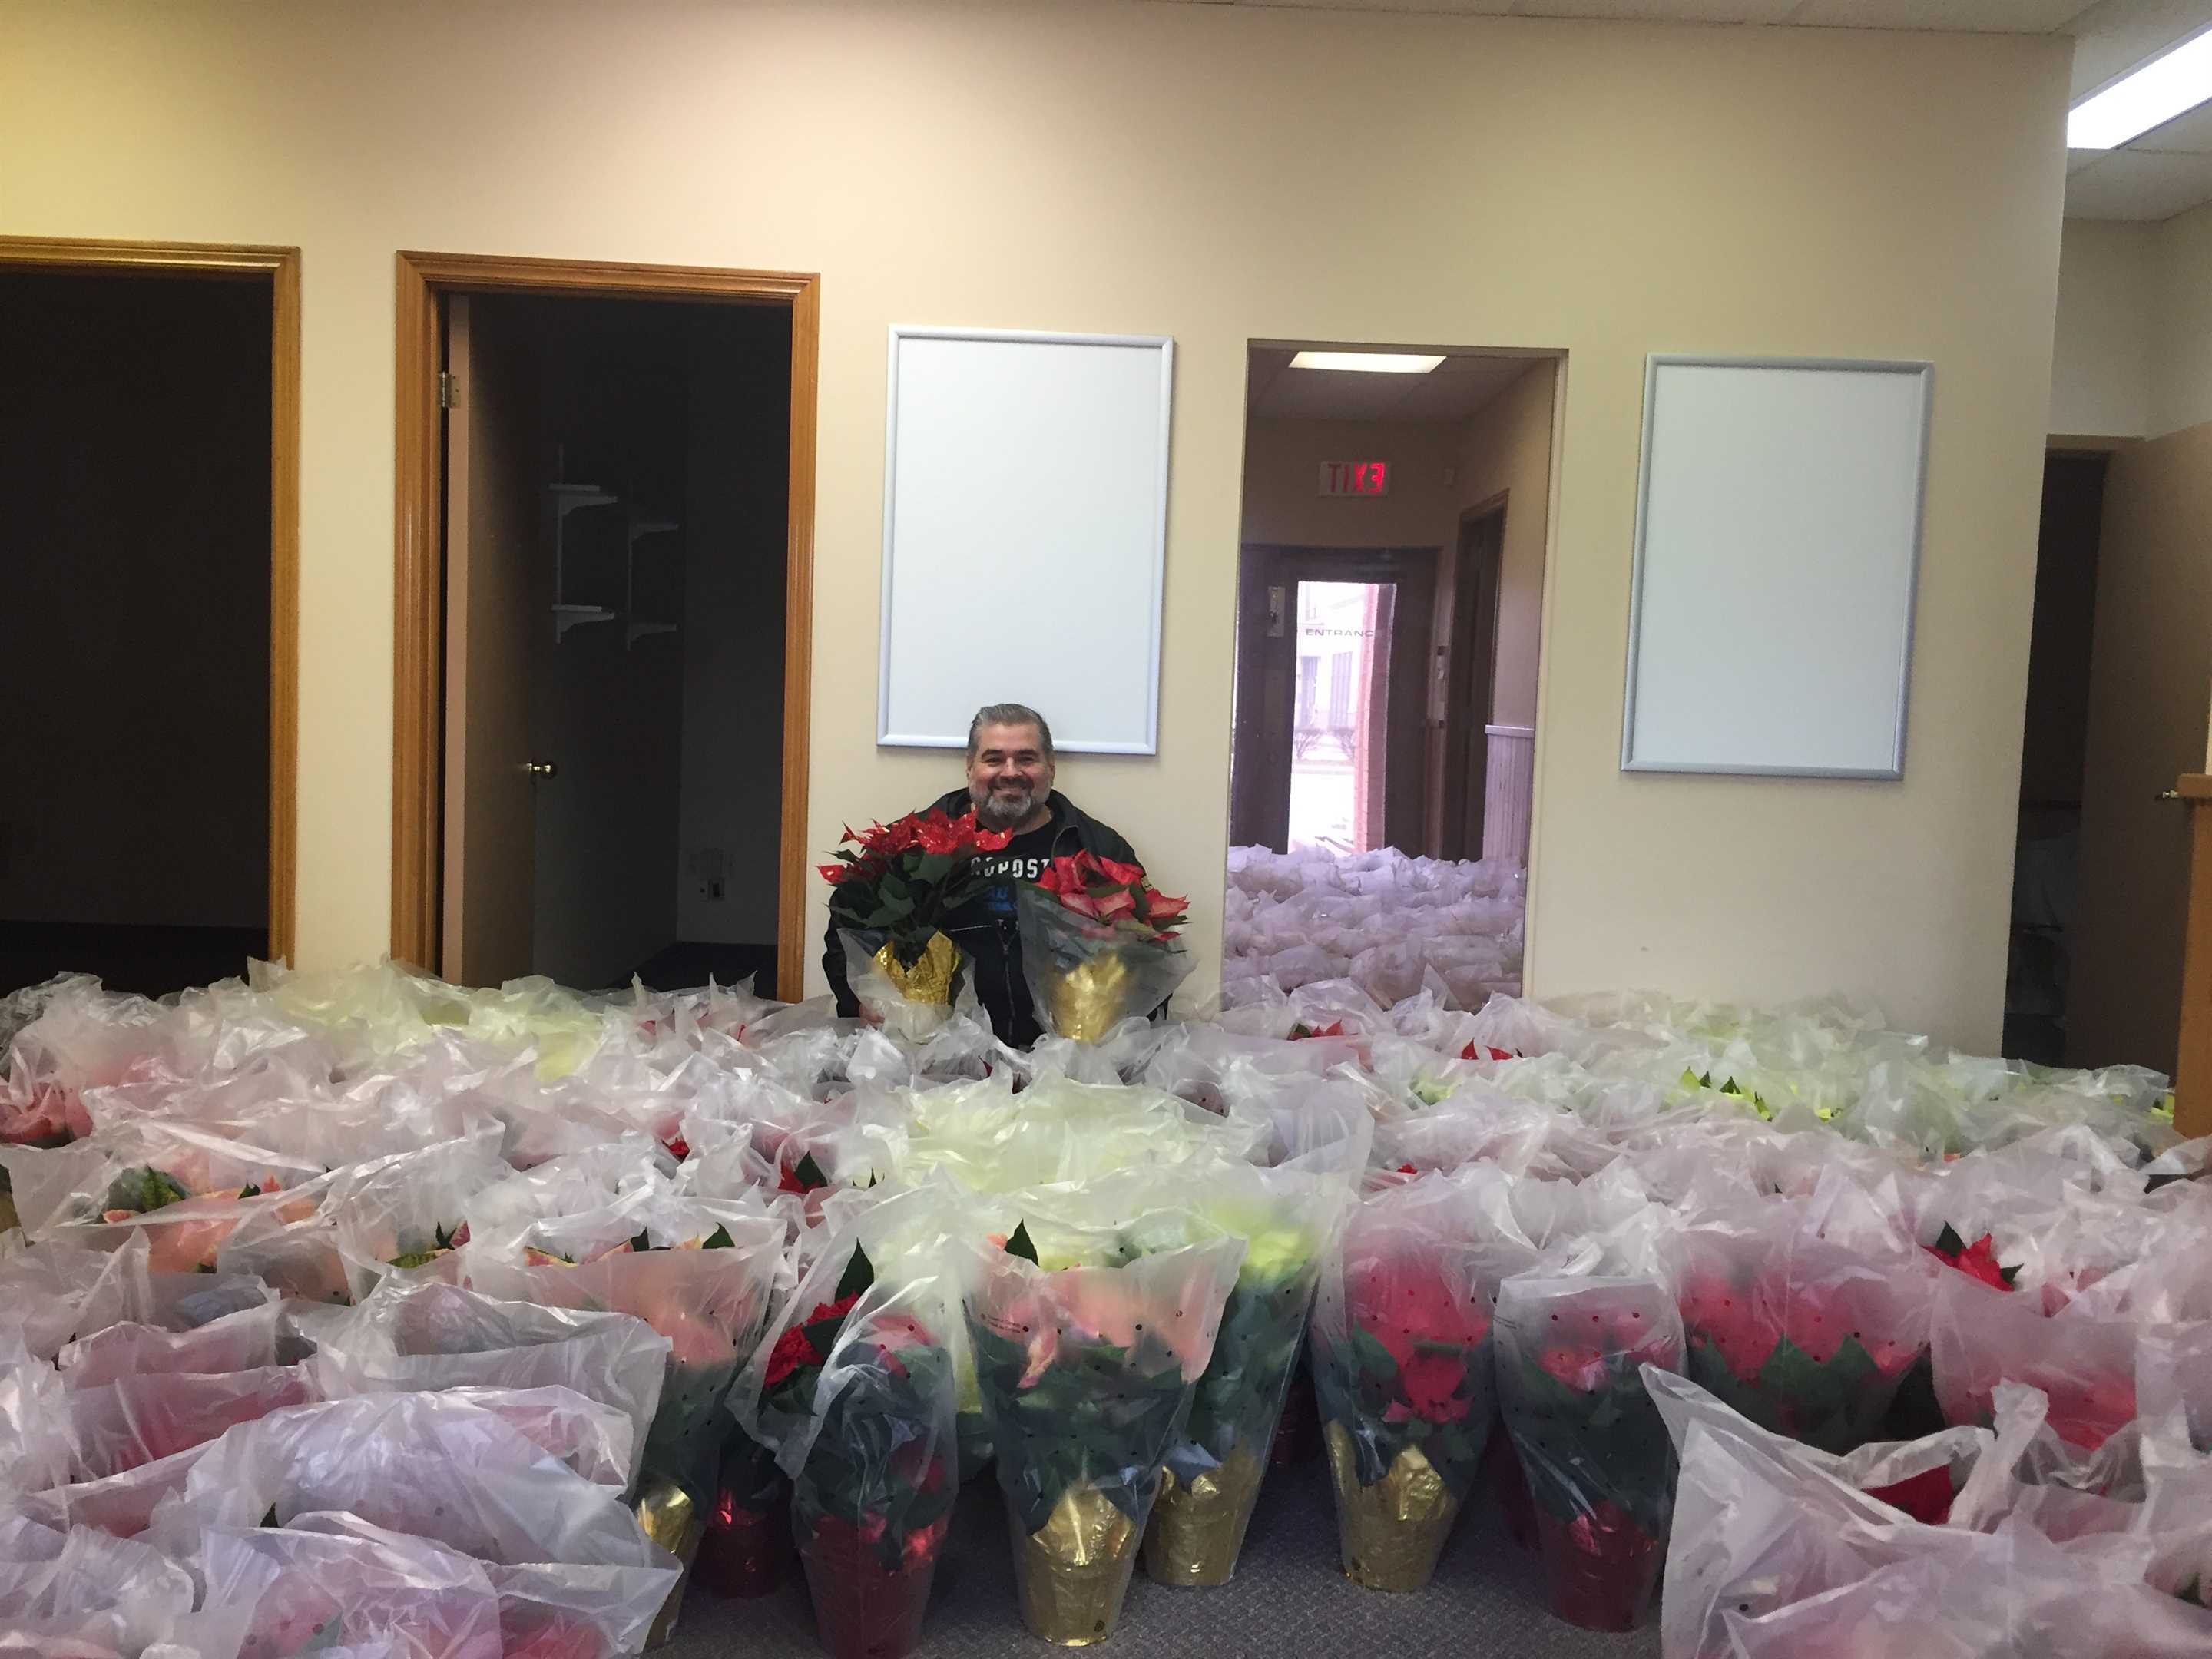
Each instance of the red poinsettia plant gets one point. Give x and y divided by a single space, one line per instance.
875 1486
1599 1462
1115 894
903 879
1817 1356
1411 1368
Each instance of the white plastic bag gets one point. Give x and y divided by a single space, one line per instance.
80 1584
430 1336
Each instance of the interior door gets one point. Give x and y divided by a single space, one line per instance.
1266 664
492 526
1466 761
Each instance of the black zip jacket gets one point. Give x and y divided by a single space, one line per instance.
993 940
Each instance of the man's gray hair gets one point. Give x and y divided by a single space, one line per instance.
1008 713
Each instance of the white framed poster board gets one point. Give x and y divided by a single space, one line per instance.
1025 484
1778 550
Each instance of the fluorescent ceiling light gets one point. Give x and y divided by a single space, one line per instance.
2152 96
1367 362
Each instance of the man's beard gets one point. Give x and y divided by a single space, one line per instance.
995 810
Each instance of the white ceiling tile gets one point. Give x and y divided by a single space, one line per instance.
2135 184
1669 11
2190 132
1974 16
2113 38
1464 8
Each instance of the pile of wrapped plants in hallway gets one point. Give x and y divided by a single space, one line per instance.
1393 925
358 1312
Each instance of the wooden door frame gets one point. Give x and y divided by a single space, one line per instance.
280 267
418 653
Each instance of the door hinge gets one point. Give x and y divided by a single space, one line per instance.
449 389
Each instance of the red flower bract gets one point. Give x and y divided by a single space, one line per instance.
794 1350
1925 1497
1431 1382
1109 891
1404 1303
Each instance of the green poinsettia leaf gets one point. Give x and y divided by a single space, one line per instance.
1373 1359
142 1190
2009 1274
641 1242
249 1190
860 1273
1017 1242
809 1173
1948 1243
719 1239
415 1259
1789 1371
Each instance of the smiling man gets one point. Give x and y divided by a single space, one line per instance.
1010 776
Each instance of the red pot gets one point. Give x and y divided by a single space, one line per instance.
864 1609
1603 1568
743 1552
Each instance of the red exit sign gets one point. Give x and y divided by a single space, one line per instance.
1355 477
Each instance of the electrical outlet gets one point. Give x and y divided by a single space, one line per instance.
708 866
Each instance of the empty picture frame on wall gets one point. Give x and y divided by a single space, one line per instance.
1777 550
1025 481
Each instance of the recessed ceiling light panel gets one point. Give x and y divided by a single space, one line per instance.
2150 97
1368 362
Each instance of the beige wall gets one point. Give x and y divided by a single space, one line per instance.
2150 675
2133 353
1507 450
1218 174
1283 502
2100 366
2181 363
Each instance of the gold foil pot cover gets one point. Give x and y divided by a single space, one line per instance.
930 978
1391 1532
672 1521
1198 1530
1074 1570
1091 999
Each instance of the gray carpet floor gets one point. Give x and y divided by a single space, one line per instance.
1288 1600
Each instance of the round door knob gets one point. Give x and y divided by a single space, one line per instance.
541 769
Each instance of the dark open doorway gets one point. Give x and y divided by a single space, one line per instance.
616 541
2054 752
147 454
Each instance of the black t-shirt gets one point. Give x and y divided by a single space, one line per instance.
1025 859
